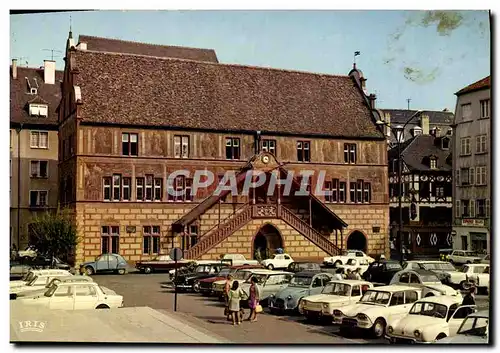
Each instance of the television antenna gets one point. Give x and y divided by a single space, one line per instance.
52 52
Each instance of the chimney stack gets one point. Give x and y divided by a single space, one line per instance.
424 124
49 72
372 97
14 69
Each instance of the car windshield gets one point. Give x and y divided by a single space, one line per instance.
336 288
261 278
224 272
201 268
464 269
444 266
301 281
429 309
242 275
429 278
51 290
474 326
470 253
54 280
351 262
375 297
393 266
309 266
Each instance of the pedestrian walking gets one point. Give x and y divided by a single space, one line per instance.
470 297
227 288
236 294
254 299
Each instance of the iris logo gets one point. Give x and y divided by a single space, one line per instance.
32 326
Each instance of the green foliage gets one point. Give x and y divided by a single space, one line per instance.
54 234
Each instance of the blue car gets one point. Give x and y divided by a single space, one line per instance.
105 263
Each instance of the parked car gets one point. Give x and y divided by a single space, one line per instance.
33 273
374 308
474 330
429 319
461 257
336 294
41 291
446 272
75 296
381 271
277 261
105 263
238 260
486 259
18 270
29 252
477 275
189 281
354 264
303 266
346 255
427 281
159 264
206 284
269 282
301 285
241 276
37 282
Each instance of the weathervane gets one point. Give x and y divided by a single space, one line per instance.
356 53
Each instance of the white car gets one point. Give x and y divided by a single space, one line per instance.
446 272
32 273
486 259
277 261
375 307
238 260
75 296
28 252
269 282
479 274
335 295
464 257
474 330
42 290
38 282
427 281
342 259
354 264
240 275
429 319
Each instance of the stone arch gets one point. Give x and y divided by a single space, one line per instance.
357 240
267 237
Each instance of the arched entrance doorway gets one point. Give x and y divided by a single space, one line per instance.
266 241
356 241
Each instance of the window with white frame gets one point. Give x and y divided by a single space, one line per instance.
39 169
106 188
342 191
481 175
466 111
126 186
180 191
158 189
481 143
232 148
481 208
139 189
129 144
117 184
485 108
38 110
465 146
268 146
151 240
367 192
110 239
350 153
303 151
181 146
149 188
39 139
433 163
466 176
38 198
465 208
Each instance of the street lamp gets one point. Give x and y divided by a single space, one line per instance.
398 132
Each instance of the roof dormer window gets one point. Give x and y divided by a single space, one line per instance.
417 130
38 110
433 163
445 143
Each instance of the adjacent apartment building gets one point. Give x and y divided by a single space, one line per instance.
472 156
133 114
34 96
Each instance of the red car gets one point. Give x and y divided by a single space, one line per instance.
205 285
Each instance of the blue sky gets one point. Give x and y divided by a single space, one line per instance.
404 54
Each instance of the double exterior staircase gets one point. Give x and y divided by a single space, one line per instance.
248 212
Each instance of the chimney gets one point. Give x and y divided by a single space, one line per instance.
424 124
49 72
81 46
14 69
387 120
372 97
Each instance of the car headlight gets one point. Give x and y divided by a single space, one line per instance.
289 297
390 329
271 296
325 306
337 313
362 317
417 333
302 303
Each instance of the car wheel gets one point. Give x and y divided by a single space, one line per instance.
378 328
196 287
270 267
440 336
468 262
102 306
452 262
298 307
121 271
89 270
147 270
337 263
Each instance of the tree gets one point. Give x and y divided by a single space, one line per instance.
54 234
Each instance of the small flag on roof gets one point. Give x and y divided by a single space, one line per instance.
356 53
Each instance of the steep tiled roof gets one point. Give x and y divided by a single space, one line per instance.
419 147
165 51
141 90
46 93
476 86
